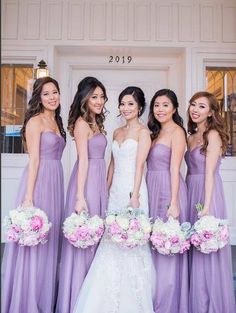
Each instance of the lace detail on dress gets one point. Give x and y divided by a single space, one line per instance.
120 280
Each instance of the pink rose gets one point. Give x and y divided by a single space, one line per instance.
124 236
195 240
72 238
114 229
12 236
16 228
36 223
174 240
99 231
157 240
134 225
83 233
185 246
207 235
224 234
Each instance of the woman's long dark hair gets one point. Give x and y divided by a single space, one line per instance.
153 124
79 106
35 106
215 121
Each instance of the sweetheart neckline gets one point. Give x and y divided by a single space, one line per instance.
161 144
51 131
122 143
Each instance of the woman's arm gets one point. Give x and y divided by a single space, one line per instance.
212 155
144 145
111 164
110 172
178 145
33 132
81 135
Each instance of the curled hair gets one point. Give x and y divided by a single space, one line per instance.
35 106
138 95
79 106
153 124
215 121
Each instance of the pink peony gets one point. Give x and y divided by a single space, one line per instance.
224 234
195 240
207 235
99 231
114 229
12 236
124 236
36 223
174 240
157 240
185 246
134 225
83 233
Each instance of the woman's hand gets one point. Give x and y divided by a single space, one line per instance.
27 203
81 205
173 210
204 212
134 202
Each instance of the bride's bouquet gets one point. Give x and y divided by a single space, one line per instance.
27 226
83 231
209 233
170 237
129 229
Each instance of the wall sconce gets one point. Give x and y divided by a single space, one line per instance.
41 70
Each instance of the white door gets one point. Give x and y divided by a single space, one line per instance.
151 71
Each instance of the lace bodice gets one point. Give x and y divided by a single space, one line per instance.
125 156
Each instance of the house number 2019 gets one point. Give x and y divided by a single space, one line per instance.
118 59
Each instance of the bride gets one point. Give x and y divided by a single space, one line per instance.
121 280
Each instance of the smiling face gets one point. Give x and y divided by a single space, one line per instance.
96 101
50 97
163 109
199 110
128 107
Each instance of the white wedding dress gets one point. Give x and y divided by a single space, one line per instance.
120 280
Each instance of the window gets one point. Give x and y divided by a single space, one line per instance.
221 81
16 89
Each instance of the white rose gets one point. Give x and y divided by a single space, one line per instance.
110 219
80 220
123 222
138 235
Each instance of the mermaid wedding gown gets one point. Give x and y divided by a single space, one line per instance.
120 280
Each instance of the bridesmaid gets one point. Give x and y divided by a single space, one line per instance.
29 273
87 188
167 197
211 288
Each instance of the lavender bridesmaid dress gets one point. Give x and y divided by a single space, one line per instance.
211 278
172 287
29 273
76 262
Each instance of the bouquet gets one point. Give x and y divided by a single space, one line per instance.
209 233
170 237
83 231
27 226
129 229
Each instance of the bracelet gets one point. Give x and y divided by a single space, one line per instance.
131 195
